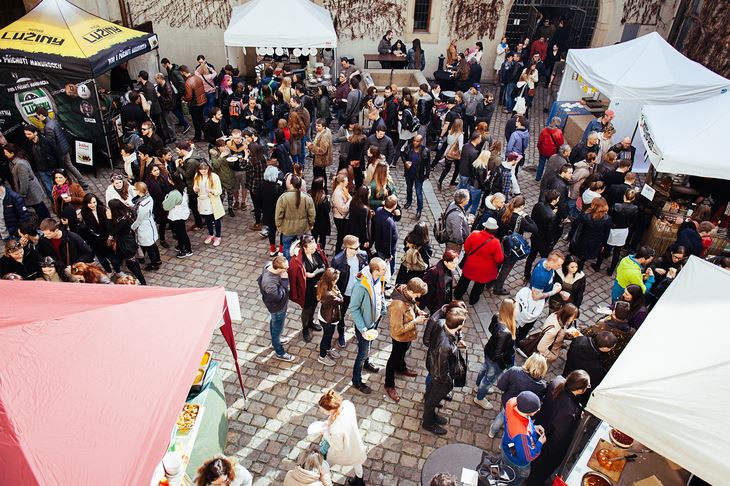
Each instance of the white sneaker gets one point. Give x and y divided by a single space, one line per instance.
327 361
490 434
284 357
283 340
491 389
484 403
208 240
332 353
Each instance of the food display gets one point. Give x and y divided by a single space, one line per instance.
610 460
187 417
595 479
370 334
620 439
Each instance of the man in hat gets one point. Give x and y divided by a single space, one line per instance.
472 99
523 440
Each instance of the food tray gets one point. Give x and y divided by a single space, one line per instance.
613 474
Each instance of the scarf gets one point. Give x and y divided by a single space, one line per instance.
58 190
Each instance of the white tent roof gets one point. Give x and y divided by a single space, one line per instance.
672 134
646 68
670 388
280 23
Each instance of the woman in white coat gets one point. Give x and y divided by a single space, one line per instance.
341 441
144 227
499 60
207 186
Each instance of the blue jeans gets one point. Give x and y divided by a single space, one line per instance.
498 423
522 472
276 327
541 167
209 104
487 375
410 181
47 181
572 209
363 349
509 102
287 241
214 225
475 195
463 182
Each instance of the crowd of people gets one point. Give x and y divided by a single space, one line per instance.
258 136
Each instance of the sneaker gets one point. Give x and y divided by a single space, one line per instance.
441 420
208 240
180 254
491 389
315 326
341 341
186 129
216 242
273 253
500 292
362 388
188 254
284 357
327 361
484 403
231 213
491 434
264 233
369 366
333 353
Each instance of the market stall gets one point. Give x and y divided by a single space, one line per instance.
676 151
303 30
629 75
669 388
95 377
52 58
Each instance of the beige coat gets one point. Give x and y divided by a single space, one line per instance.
551 342
341 200
214 194
322 148
343 435
303 477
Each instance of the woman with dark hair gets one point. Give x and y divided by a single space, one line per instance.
281 108
120 189
330 297
322 207
281 151
356 152
67 197
573 281
623 217
514 219
440 281
178 212
119 226
381 186
222 471
254 163
417 256
25 182
19 260
298 131
158 185
372 159
324 104
554 331
94 231
361 217
415 56
592 230
637 308
50 271
308 263
559 416
267 111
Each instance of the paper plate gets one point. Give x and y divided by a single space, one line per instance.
370 334
316 428
232 158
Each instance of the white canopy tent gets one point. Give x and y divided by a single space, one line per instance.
673 133
280 23
642 71
670 388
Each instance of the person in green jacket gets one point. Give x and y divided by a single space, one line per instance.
630 270
218 160
294 213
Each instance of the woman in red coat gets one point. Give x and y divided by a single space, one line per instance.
483 254
308 263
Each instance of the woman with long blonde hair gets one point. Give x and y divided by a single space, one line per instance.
207 186
454 144
381 186
341 442
341 200
286 90
498 352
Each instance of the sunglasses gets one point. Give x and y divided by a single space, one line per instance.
117 178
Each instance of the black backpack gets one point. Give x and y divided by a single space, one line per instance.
439 227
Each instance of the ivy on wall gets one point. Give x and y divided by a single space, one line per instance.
474 18
706 42
647 12
358 19
200 14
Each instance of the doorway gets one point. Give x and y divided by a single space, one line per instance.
571 23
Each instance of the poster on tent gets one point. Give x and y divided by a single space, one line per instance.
69 99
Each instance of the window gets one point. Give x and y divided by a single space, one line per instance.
421 15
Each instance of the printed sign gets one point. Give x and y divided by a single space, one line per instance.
84 153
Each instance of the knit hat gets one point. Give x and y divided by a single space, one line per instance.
528 402
491 224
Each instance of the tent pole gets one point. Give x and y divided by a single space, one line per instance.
103 125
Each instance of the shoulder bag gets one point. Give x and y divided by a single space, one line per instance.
461 367
453 153
528 345
462 263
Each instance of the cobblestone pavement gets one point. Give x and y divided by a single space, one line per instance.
268 435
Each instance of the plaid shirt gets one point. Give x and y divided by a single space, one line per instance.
254 173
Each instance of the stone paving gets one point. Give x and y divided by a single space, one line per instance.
268 431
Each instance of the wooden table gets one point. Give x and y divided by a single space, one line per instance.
383 58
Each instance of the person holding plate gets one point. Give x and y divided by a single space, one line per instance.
367 307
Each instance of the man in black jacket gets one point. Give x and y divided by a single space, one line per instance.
424 109
390 115
45 157
383 143
585 354
150 94
417 165
544 214
561 183
442 363
14 212
150 138
65 246
469 154
132 111
350 257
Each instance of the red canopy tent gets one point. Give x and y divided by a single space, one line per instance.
93 377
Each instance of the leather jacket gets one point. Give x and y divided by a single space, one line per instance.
442 357
500 347
330 309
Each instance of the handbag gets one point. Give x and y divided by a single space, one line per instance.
577 235
453 153
462 367
462 263
531 92
528 345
